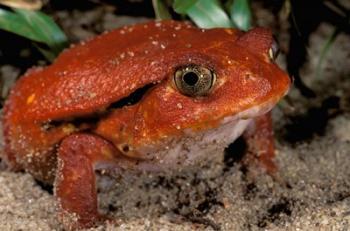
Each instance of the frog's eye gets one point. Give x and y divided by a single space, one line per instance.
274 50
194 80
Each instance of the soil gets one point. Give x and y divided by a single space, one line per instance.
313 147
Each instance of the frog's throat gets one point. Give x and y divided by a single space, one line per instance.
197 147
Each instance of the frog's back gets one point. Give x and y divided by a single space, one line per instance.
96 73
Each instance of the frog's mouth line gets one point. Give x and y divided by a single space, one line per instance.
251 113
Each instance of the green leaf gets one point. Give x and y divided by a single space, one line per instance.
13 23
240 14
44 28
48 54
209 14
160 10
227 5
35 26
182 6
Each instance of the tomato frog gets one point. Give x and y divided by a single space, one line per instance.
148 97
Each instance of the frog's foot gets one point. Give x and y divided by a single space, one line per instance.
75 184
261 147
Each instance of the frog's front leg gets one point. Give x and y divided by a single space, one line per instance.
75 184
261 145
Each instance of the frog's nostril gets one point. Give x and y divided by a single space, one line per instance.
190 78
125 148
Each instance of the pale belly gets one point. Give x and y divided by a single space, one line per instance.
194 148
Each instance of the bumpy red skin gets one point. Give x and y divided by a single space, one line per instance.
87 78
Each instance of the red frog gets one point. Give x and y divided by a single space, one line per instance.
148 97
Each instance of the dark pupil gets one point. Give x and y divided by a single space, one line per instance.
190 78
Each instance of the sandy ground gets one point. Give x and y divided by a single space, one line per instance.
313 145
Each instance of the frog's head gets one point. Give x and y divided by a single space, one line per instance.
213 82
